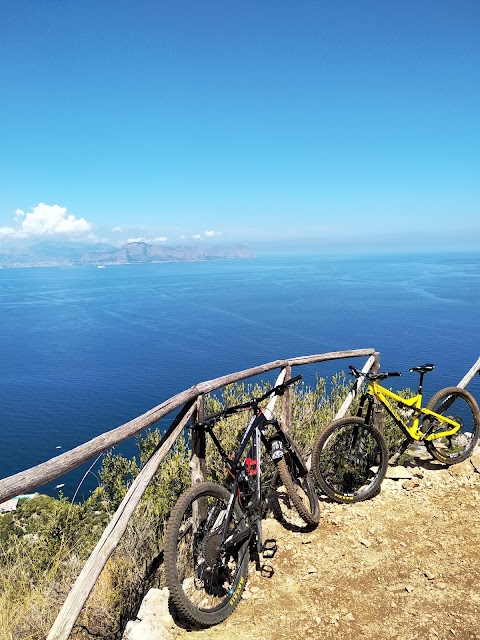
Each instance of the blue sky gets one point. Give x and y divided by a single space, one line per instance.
285 124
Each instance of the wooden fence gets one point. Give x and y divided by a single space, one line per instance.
190 403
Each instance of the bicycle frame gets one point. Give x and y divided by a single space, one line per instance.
413 431
253 434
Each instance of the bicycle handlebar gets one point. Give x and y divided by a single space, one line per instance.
254 402
373 376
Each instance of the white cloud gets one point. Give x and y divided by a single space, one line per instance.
148 240
212 233
183 236
118 230
46 220
5 232
197 236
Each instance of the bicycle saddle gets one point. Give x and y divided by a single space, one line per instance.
423 368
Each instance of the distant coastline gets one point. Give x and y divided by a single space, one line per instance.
55 254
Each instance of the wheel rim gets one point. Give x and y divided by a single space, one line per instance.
349 460
208 577
456 408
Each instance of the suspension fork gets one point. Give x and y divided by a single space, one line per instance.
357 442
255 471
365 413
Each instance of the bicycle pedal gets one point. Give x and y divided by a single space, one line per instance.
269 548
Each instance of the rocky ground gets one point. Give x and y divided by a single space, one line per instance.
403 565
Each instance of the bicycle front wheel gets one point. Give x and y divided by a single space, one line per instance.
349 460
205 582
459 405
299 486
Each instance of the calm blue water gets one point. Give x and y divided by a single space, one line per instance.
87 349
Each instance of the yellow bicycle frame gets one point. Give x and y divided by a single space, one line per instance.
414 431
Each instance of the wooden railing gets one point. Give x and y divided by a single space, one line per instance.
190 403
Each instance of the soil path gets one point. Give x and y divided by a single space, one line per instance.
404 565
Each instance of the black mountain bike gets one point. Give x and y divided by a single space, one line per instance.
213 529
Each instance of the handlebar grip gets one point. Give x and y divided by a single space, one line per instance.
394 373
293 380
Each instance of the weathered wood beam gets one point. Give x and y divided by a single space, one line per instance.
45 472
469 375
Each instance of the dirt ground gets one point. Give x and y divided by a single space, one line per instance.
404 565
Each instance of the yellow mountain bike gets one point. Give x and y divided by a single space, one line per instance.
350 457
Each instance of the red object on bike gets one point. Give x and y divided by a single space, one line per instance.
251 465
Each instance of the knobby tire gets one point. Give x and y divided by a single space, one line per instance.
349 460
298 484
458 404
205 587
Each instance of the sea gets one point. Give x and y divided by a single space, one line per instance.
86 349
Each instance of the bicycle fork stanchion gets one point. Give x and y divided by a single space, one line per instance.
198 470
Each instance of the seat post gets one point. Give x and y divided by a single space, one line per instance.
420 384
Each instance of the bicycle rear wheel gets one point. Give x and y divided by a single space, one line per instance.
349 460
459 405
205 583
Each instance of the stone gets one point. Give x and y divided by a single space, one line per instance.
366 543
390 485
418 473
154 603
462 469
147 629
153 619
167 620
410 484
475 462
398 473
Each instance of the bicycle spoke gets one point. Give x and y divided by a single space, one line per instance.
458 405
349 460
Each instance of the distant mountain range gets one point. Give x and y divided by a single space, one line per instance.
64 254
